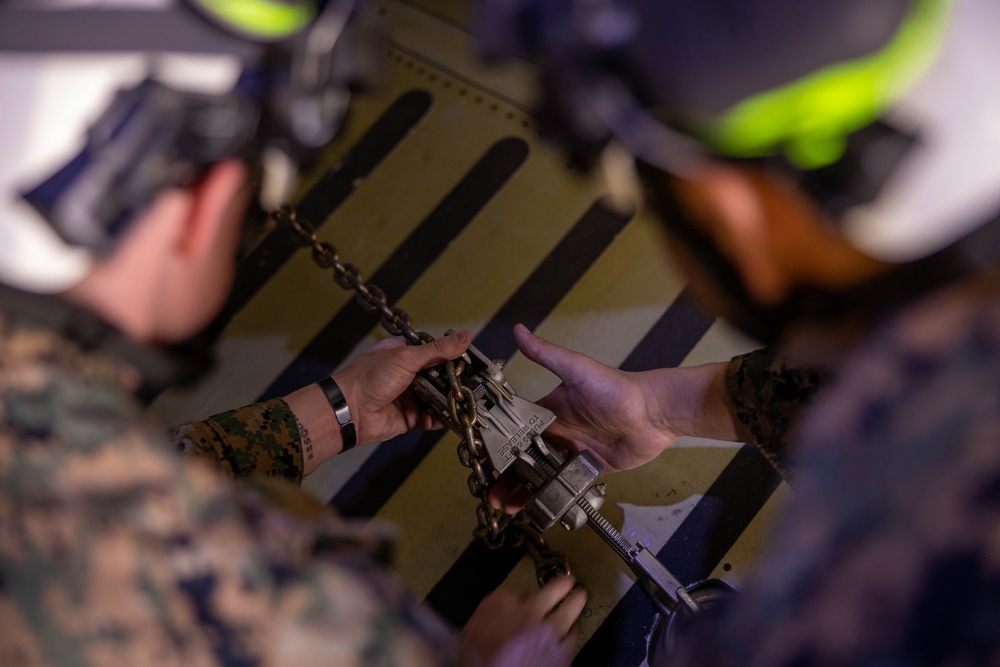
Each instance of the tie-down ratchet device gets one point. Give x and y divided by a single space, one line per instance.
565 489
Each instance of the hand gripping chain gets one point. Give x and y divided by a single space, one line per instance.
499 430
453 401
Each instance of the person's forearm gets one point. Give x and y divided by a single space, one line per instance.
319 431
693 401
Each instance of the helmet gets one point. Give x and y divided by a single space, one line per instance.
883 111
108 104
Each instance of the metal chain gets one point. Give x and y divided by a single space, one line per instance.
394 320
493 525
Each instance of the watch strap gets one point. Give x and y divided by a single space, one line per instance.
348 432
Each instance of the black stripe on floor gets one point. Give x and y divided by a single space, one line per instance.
324 198
421 249
672 337
480 569
691 554
387 468
678 330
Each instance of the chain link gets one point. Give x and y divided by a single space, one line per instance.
394 320
493 526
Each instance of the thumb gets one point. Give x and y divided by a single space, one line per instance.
440 350
570 366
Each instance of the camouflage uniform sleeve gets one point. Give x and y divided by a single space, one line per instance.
767 395
260 440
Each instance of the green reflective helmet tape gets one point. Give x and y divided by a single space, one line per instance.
266 20
809 119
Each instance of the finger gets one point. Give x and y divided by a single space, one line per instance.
501 490
546 599
571 441
563 437
570 366
438 351
564 616
509 494
447 348
416 415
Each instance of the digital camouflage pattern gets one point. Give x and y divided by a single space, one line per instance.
767 395
889 553
117 552
260 439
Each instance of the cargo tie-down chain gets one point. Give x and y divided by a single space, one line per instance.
494 527
499 430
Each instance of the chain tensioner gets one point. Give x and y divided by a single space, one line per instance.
499 430
447 392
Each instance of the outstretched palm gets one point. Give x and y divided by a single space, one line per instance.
605 410
597 408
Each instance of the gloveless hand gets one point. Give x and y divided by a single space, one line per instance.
376 384
626 419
